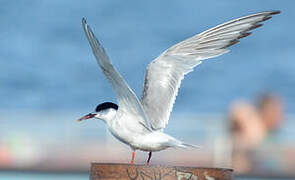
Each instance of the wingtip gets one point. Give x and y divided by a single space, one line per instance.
83 21
266 18
244 34
235 41
275 12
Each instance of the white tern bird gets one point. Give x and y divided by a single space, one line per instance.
140 123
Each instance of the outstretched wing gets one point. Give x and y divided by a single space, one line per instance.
126 97
164 74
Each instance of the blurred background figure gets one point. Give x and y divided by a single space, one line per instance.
271 111
253 127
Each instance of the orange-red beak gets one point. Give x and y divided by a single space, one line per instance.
88 116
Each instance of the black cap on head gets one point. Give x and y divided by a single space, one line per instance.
106 105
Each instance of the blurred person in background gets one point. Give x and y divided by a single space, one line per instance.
252 128
270 109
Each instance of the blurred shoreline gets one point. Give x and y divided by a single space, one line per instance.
55 142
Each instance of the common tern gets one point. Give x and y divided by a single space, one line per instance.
140 123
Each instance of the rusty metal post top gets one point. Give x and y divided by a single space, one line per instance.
110 171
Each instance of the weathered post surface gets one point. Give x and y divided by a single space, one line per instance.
110 171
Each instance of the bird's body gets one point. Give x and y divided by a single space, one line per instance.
136 135
140 123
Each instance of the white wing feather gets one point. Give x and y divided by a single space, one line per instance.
127 99
164 74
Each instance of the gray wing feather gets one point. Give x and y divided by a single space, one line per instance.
126 97
164 74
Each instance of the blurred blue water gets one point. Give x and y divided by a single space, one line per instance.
46 62
52 176
41 176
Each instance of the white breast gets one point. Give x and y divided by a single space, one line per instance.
125 131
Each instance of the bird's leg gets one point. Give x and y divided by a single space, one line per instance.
148 161
133 157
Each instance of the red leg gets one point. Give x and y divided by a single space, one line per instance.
148 161
133 157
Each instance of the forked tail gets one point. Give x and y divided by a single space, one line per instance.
185 145
177 143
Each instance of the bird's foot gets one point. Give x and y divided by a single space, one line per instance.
148 161
133 157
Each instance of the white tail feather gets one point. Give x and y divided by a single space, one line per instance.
185 145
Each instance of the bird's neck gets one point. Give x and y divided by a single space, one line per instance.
109 116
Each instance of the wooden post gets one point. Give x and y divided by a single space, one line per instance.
113 171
